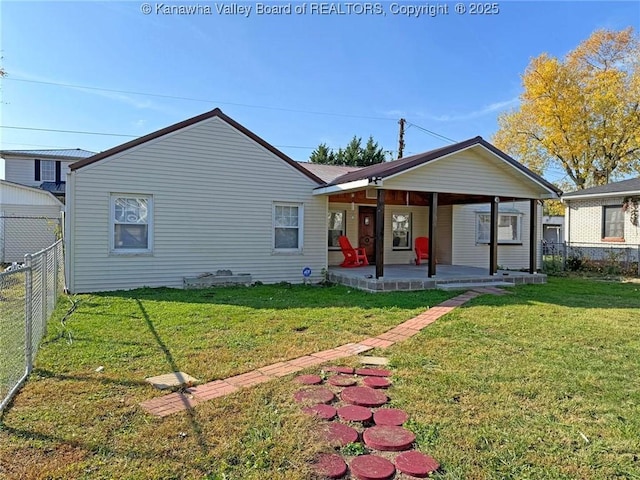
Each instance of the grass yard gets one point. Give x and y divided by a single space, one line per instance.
540 384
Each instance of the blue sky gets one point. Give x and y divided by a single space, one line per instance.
295 80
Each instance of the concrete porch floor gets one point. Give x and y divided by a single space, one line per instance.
414 277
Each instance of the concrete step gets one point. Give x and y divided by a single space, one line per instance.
472 285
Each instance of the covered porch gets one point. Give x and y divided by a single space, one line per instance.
477 208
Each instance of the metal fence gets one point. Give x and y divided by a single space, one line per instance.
21 235
614 259
28 297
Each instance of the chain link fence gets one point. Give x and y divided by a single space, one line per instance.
21 235
591 257
28 297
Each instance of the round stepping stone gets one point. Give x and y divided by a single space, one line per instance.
373 372
388 438
318 395
309 379
354 413
372 467
364 396
345 370
340 434
325 412
390 416
330 465
376 382
416 464
342 381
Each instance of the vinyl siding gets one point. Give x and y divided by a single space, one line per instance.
467 252
213 192
22 170
466 172
17 195
584 218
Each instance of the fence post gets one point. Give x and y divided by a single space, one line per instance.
43 290
564 256
28 299
55 276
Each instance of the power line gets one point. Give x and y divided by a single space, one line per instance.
432 133
69 131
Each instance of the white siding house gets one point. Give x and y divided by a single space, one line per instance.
597 216
29 220
200 196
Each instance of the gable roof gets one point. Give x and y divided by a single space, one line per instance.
328 172
387 169
631 186
69 154
36 190
186 123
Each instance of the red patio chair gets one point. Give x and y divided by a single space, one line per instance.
422 249
353 257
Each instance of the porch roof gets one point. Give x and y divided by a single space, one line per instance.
374 175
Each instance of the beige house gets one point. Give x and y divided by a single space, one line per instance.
29 220
237 203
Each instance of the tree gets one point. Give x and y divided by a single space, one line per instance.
352 155
581 114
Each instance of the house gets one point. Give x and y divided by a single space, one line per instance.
604 216
30 220
553 229
207 194
45 169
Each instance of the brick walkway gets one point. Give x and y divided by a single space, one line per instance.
178 401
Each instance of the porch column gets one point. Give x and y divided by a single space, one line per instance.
493 237
533 236
380 234
433 220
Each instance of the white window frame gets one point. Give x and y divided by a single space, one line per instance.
517 241
300 228
51 170
344 226
112 224
409 231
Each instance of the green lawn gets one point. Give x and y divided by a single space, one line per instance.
538 384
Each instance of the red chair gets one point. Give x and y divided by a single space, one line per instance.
422 249
353 257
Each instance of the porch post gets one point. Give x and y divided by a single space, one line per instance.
493 237
433 220
533 236
380 234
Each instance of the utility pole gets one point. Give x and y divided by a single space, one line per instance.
402 122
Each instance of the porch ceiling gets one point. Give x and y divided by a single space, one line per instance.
403 197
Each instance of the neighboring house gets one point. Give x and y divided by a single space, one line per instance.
30 219
206 194
598 216
553 229
45 169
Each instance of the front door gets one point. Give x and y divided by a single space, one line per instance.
367 232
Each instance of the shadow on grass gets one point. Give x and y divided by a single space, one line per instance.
43 373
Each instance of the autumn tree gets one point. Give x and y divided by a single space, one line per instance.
354 154
581 113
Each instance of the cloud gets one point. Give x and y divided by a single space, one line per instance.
486 110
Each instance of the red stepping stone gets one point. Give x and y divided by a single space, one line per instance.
388 438
309 379
376 382
354 413
325 412
416 464
346 370
390 416
340 434
318 395
372 467
342 381
364 396
330 465
373 372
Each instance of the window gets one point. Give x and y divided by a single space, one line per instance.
131 221
612 222
47 170
401 227
336 225
509 228
287 224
